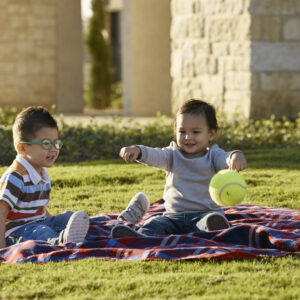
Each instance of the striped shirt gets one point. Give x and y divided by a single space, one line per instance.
26 192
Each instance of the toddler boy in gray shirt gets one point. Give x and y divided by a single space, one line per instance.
189 163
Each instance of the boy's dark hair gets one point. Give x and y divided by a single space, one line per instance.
198 107
29 121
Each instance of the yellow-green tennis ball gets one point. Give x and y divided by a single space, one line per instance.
227 188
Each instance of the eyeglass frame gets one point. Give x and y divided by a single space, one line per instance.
52 143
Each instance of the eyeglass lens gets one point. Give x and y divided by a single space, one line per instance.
47 144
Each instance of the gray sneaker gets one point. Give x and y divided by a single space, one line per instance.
120 231
76 229
136 209
212 222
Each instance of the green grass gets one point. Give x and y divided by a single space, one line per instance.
106 186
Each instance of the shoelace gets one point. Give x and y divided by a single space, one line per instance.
133 213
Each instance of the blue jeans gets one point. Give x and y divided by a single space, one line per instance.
173 223
46 230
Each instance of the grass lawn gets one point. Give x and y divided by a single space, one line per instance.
106 186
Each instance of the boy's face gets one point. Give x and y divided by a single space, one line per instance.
193 134
35 154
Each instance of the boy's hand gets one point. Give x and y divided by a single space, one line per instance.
130 154
237 161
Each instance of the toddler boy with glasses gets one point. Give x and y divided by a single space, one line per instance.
25 186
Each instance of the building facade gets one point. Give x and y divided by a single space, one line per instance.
244 56
41 54
241 55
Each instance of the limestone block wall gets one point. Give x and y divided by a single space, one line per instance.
27 52
41 63
210 42
243 56
275 57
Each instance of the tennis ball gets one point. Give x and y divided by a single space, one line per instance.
227 188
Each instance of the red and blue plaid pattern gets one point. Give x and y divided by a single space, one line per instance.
256 231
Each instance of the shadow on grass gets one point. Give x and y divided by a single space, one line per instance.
93 162
274 158
288 158
95 180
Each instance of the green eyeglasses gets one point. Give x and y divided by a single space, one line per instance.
47 144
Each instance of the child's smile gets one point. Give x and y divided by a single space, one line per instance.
193 134
189 145
51 158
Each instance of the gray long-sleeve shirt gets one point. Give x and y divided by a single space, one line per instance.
187 179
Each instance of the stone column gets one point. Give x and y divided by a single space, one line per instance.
146 57
69 58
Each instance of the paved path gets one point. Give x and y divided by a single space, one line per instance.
86 119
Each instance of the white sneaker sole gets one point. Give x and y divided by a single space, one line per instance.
77 227
216 222
136 208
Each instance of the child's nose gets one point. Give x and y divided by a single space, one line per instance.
188 136
53 149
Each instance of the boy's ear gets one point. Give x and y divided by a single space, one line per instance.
212 134
21 148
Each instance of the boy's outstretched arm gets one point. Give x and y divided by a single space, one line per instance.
237 161
130 154
4 209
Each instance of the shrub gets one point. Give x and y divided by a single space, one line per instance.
102 142
8 115
7 151
266 133
96 142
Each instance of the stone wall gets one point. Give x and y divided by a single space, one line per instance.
31 52
243 56
27 52
275 57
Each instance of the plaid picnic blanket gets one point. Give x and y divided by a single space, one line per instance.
256 231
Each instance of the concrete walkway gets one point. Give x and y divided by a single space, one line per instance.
102 118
